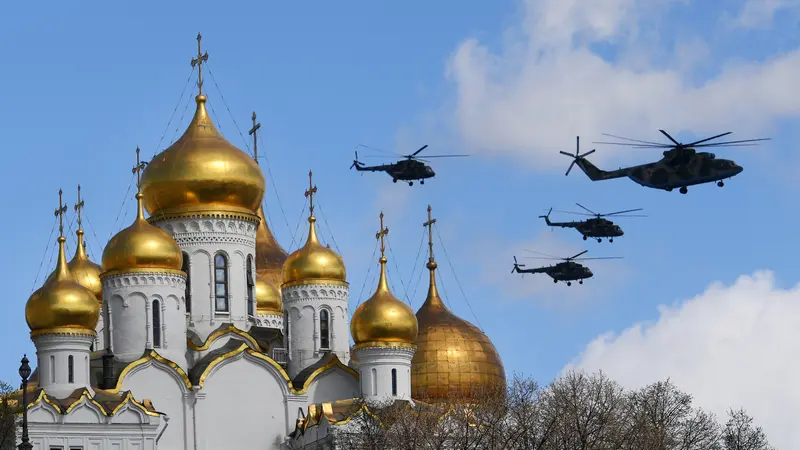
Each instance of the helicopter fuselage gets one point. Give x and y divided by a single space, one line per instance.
594 228
564 271
409 171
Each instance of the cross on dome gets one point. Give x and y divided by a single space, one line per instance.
252 132
310 195
381 234
60 211
201 58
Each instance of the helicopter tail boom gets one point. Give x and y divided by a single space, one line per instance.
594 173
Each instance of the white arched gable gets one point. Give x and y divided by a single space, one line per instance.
85 411
248 358
333 384
43 412
129 414
150 366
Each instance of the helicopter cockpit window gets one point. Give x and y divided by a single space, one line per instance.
712 156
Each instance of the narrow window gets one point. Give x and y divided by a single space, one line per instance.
374 382
394 382
52 369
323 329
251 285
188 292
156 324
221 282
71 369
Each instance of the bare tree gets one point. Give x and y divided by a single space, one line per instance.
9 410
741 434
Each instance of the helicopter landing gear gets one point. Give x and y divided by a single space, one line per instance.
684 190
610 240
720 183
585 238
421 181
569 283
410 183
599 240
580 281
555 281
394 180
669 189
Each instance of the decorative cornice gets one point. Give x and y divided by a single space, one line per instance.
159 217
308 292
64 331
385 345
316 282
127 399
230 329
138 272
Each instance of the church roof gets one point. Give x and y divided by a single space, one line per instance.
108 402
300 379
202 364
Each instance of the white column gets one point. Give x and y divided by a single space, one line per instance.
53 353
385 360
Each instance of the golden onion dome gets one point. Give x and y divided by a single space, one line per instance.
142 246
383 320
454 359
268 297
313 261
200 172
85 272
270 256
62 305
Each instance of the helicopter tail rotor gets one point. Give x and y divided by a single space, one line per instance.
577 156
356 162
516 265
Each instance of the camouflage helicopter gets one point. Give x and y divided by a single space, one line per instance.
681 166
597 227
409 169
568 270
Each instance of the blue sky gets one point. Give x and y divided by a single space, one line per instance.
509 82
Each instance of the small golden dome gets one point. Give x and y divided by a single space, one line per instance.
202 171
142 246
454 359
270 256
383 319
62 305
313 261
268 297
85 272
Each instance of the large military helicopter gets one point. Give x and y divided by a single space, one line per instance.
409 169
681 166
568 270
597 227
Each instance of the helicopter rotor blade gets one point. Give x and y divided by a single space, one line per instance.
622 212
601 257
541 254
628 144
708 139
574 213
566 153
378 150
421 149
588 153
727 143
631 215
570 165
671 138
544 258
587 209
579 254
444 156
632 140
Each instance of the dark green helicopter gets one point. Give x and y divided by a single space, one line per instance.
681 166
568 270
597 227
409 169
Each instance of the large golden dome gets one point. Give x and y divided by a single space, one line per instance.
142 246
313 261
268 297
62 305
270 256
200 172
454 359
85 272
383 320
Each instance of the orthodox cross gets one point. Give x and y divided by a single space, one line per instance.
79 207
256 126
381 234
60 211
201 58
310 195
138 168
429 226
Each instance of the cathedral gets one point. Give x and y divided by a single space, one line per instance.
198 331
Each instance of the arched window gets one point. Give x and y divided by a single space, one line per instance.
156 324
221 283
394 382
324 330
374 382
71 369
52 369
188 292
251 286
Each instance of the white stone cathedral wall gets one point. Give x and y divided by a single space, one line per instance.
100 339
376 364
53 352
303 304
129 299
201 238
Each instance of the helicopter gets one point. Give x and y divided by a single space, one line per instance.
410 169
597 227
567 271
681 166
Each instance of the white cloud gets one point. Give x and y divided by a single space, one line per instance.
540 287
759 13
730 346
547 84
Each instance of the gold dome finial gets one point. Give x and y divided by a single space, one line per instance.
141 245
85 272
313 261
62 305
252 132
383 320
448 346
201 58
